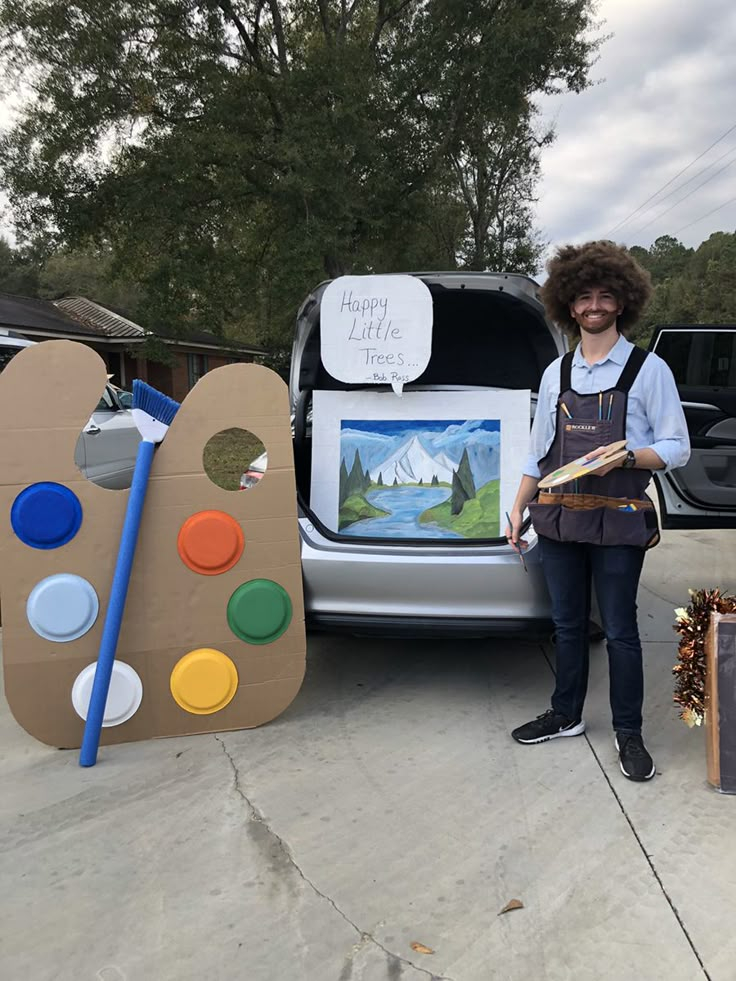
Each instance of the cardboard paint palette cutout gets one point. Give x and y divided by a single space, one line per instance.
376 330
213 636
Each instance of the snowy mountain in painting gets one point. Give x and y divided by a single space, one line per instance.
411 463
420 449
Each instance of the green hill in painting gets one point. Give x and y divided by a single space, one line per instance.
479 517
356 508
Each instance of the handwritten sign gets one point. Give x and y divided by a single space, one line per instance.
376 329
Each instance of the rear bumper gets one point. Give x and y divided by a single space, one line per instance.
459 589
428 627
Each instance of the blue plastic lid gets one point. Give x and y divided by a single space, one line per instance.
46 515
62 607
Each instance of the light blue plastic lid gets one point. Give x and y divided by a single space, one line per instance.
62 607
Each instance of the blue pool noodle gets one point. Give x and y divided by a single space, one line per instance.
116 605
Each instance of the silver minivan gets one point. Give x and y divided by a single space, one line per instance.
490 331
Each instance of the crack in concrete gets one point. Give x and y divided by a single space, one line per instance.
640 843
365 937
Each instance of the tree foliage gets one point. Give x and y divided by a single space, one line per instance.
236 152
690 285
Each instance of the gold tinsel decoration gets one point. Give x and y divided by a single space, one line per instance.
692 624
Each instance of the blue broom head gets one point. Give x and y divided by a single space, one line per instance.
154 403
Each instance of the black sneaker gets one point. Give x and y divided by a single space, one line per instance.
548 725
633 758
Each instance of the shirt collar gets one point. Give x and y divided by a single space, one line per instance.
619 354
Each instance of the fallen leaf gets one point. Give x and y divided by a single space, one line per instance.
420 948
512 904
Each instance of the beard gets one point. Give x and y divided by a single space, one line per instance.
601 327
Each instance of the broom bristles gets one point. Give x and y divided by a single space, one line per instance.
155 404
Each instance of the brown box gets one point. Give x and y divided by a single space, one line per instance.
720 701
170 609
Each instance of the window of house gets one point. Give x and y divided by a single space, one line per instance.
198 366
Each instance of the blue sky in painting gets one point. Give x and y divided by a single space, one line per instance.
394 427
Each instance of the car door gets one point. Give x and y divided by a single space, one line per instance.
109 444
702 494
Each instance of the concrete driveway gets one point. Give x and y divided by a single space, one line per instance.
387 806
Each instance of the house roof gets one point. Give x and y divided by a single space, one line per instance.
22 312
78 317
99 318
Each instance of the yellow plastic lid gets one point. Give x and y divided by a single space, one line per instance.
204 681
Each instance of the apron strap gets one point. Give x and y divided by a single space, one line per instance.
628 376
566 372
631 369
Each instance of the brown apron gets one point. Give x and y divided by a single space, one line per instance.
608 510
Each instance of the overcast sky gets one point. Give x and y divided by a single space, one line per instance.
667 90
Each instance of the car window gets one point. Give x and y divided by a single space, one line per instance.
700 358
106 403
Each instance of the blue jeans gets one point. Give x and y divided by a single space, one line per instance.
569 568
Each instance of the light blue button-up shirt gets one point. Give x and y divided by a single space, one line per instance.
654 419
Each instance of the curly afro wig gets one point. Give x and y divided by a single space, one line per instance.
574 268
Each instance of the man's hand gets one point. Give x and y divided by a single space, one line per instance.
513 531
601 451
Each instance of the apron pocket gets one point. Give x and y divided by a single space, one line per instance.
545 518
626 528
581 524
582 437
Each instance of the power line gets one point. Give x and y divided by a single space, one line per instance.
664 186
706 215
683 198
703 170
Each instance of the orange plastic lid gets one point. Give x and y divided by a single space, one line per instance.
210 542
204 681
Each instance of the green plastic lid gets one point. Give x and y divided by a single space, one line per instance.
259 611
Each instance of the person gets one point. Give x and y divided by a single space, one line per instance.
595 530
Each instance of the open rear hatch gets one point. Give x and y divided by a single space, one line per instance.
489 332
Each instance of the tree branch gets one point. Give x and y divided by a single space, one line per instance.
278 28
383 16
255 56
324 16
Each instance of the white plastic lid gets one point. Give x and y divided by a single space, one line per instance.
123 698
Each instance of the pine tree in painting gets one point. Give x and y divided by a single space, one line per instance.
343 491
465 475
458 496
356 476
380 480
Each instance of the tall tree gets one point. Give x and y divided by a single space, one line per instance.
496 165
18 271
237 151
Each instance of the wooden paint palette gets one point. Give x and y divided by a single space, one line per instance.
579 468
213 635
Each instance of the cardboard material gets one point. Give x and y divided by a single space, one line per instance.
720 695
376 330
171 609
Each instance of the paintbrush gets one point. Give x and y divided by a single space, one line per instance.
153 413
521 554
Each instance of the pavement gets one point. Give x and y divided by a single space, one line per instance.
386 807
